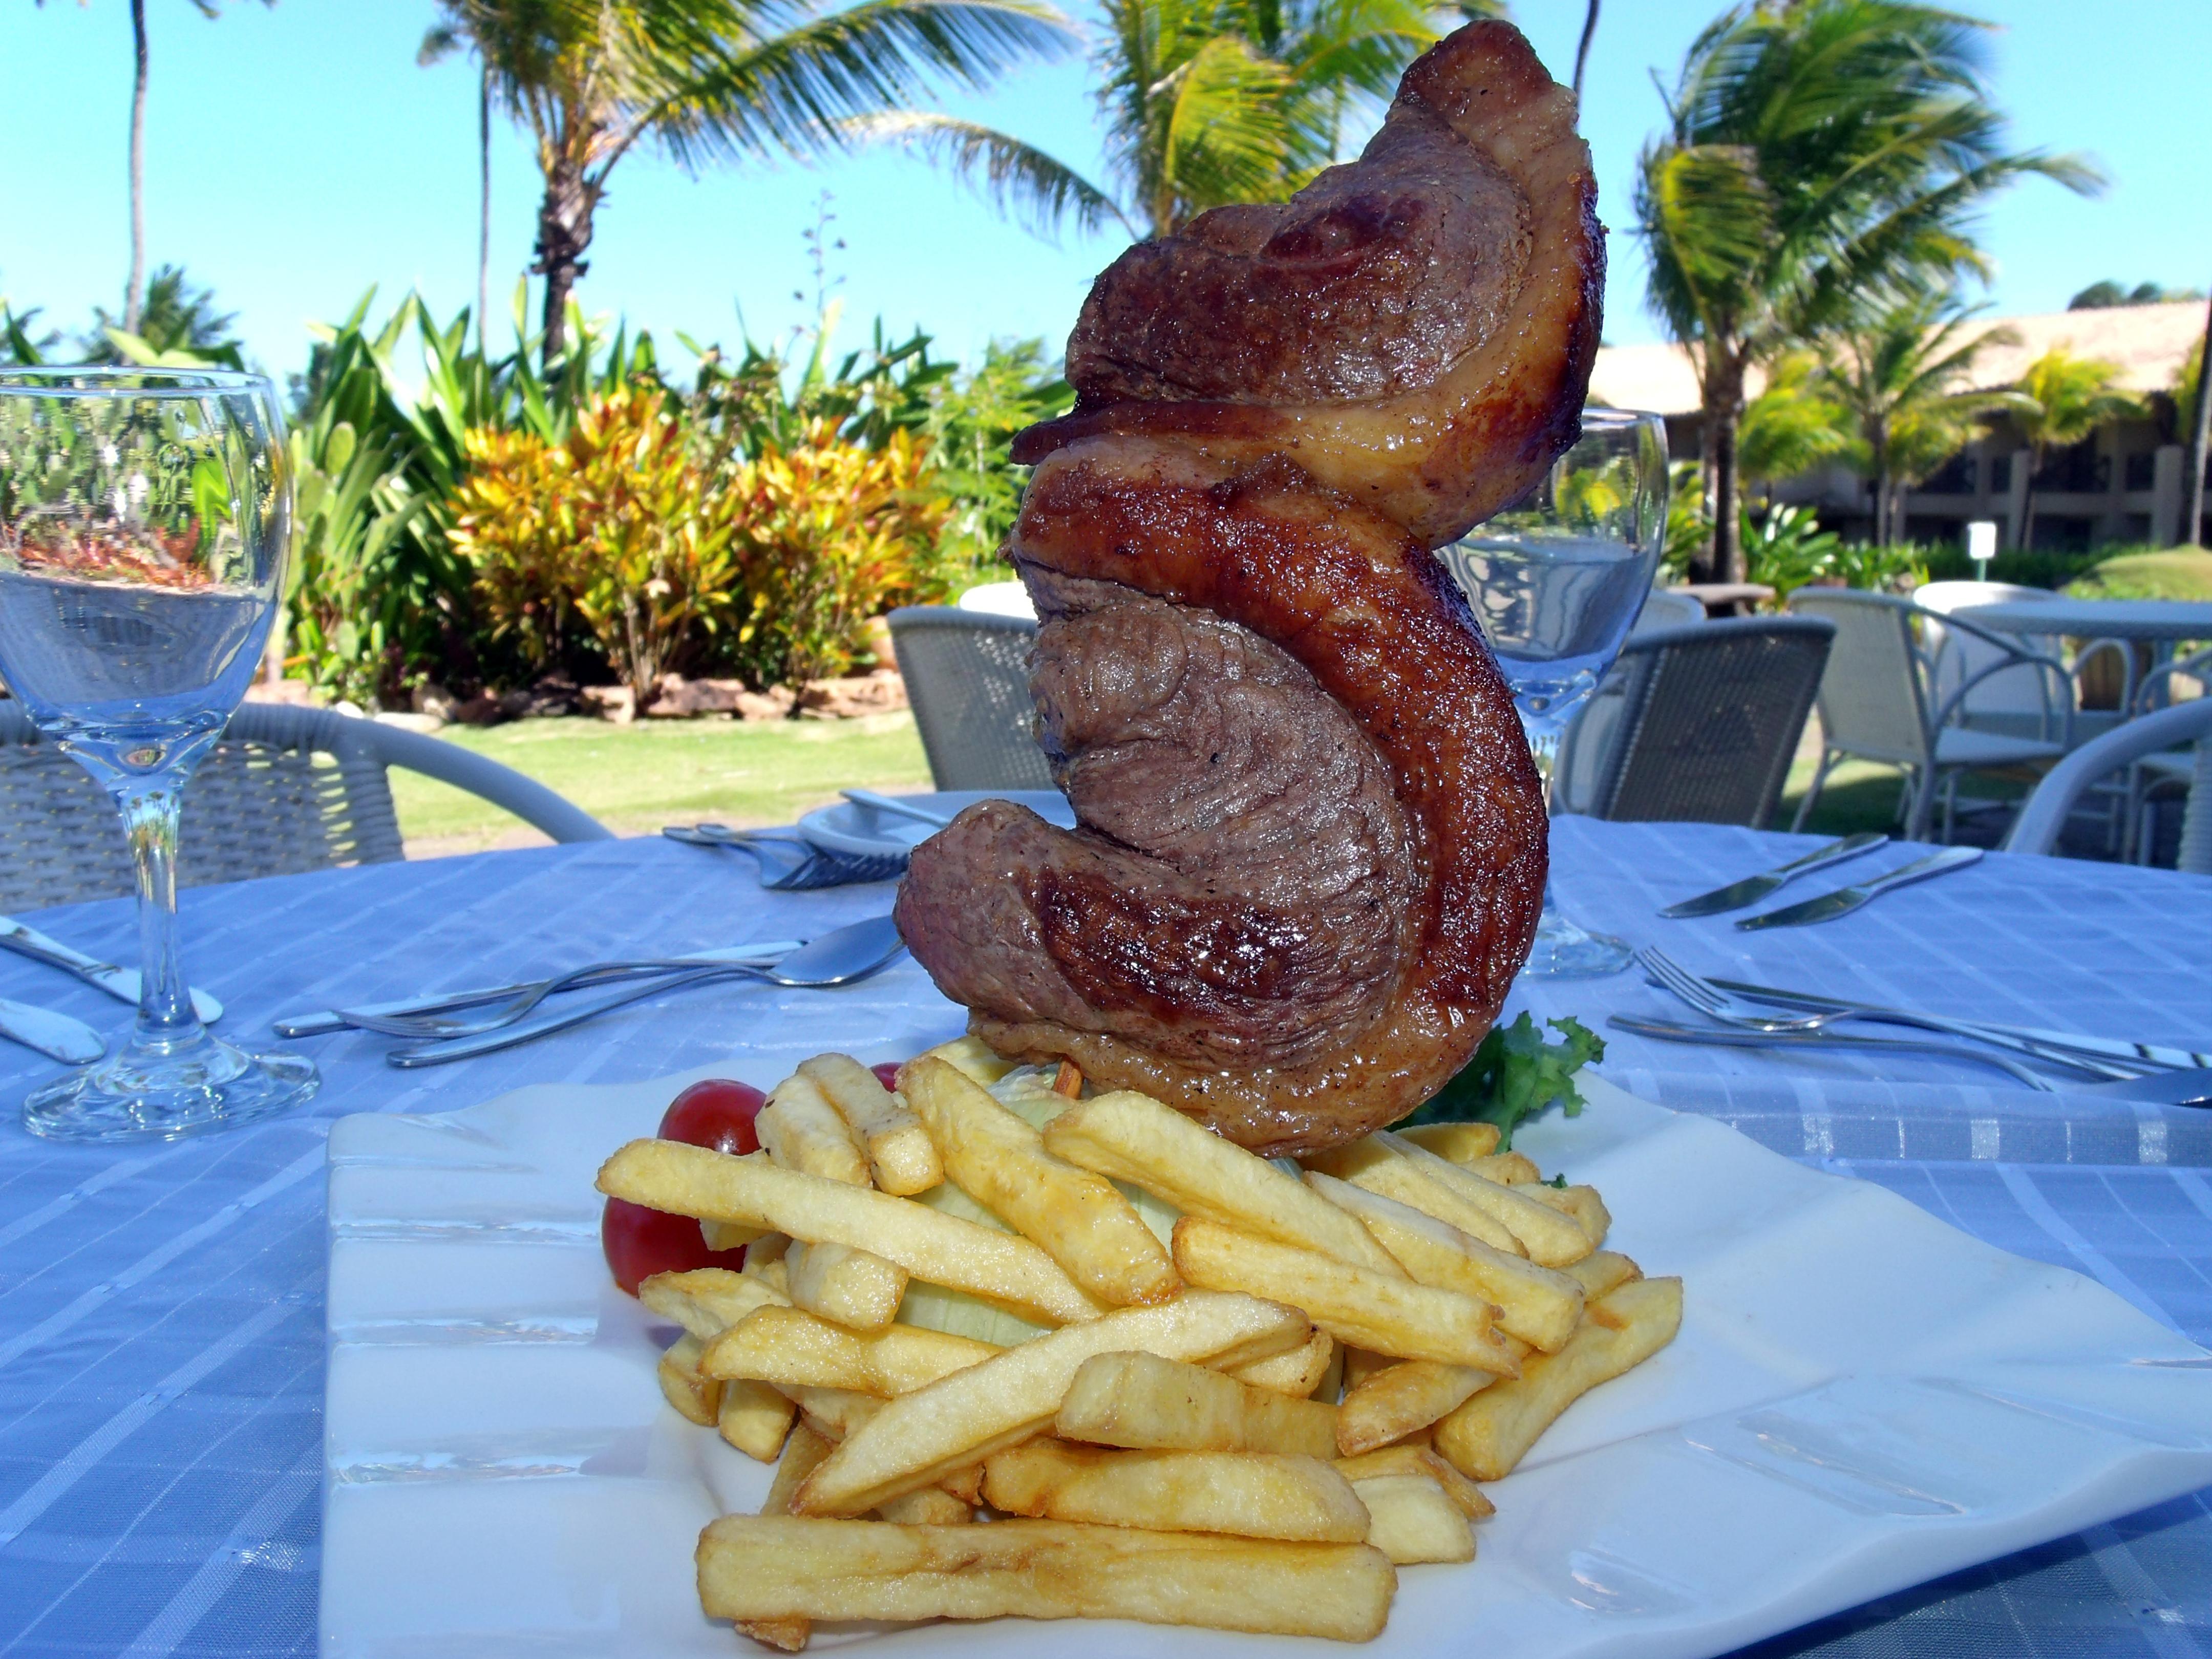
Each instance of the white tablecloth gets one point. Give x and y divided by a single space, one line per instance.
161 1308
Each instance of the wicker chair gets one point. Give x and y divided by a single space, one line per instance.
2041 820
1703 724
287 790
967 674
1878 702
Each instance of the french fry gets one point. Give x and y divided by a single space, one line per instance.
767 1566
1399 1398
833 1413
699 1398
1077 1217
1460 1142
728 1235
1253 1495
1539 1305
802 1130
1068 1080
786 1346
1408 1459
1141 1401
856 1288
1412 1520
707 1301
806 1450
755 1418
1492 1431
932 1506
959 1418
1602 1272
901 1154
1551 1238
1133 1137
974 1058
1297 1373
1391 1315
1511 1168
965 1483
1582 1203
1359 1366
696 1181
1373 1167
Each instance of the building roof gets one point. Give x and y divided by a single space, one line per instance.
2148 342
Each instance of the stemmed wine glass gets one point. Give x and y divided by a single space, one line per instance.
145 519
1556 583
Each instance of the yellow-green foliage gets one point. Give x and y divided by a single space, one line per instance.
771 566
828 535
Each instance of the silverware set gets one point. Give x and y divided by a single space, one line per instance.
1840 901
59 1037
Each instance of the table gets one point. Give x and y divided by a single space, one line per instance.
1727 598
161 1308
2167 620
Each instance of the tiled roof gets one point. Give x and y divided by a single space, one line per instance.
2148 342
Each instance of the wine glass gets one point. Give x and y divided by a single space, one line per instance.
144 518
1556 583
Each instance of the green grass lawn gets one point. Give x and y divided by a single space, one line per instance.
635 778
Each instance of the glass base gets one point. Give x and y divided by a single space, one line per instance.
165 1092
1565 951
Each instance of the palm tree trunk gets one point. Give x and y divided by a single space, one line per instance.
134 292
1582 50
564 231
2028 502
2192 527
1723 390
484 215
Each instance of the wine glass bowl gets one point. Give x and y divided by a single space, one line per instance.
145 516
1556 583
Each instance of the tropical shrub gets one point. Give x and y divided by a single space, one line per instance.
827 535
615 528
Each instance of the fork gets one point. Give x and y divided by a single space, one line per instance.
1714 1003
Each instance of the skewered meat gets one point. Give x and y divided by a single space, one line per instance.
1311 848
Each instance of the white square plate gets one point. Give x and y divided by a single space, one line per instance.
1862 1399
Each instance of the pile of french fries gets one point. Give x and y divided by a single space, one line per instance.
1184 1384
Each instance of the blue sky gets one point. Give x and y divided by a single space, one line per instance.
297 155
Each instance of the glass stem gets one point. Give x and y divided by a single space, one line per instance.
151 806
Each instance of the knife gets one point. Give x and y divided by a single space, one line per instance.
2149 1053
326 1020
55 1035
121 983
2191 1088
1844 900
1752 889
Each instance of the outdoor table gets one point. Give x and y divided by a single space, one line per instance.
161 1336
2162 620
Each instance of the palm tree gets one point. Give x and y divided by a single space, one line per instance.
714 81
1204 102
2064 399
1898 378
1819 158
1794 424
134 291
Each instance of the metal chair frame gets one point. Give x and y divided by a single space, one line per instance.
2043 817
1922 761
286 790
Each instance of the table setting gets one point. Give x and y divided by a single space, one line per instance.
309 1345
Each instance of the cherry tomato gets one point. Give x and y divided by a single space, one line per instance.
887 1073
639 1241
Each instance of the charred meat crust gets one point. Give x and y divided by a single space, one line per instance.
1367 613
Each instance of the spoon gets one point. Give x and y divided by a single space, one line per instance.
841 956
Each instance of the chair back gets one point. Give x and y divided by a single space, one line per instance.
1873 694
286 790
1664 608
968 677
2011 697
1710 719
2043 815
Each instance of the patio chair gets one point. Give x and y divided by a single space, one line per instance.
1704 721
1877 703
967 674
2012 698
2044 816
286 790
1589 733
1666 607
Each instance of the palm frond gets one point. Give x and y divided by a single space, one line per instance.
1021 182
1225 138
